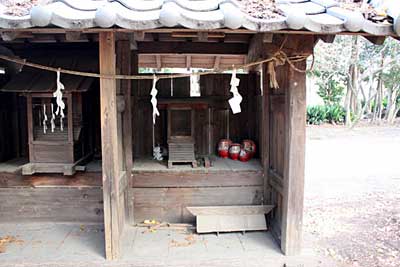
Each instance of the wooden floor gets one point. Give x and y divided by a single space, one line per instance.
62 245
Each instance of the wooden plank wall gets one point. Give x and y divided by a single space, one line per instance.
51 197
275 132
164 196
51 204
169 204
215 90
286 158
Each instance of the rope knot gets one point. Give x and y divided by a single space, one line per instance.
278 59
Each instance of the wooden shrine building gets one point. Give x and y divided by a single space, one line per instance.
69 139
100 166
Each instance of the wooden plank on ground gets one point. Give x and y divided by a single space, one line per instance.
230 218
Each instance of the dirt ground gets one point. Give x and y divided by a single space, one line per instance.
352 194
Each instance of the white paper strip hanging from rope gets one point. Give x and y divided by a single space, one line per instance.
44 119
235 101
59 100
53 117
153 94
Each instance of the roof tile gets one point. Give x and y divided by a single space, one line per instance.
258 15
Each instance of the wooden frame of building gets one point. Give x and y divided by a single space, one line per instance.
124 45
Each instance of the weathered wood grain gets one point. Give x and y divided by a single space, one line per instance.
169 204
51 205
293 183
196 179
80 179
110 145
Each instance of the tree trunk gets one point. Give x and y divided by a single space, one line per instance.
352 86
392 108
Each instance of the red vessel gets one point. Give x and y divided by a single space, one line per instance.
234 151
249 146
244 155
223 148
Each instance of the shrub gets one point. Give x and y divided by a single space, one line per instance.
316 115
330 90
335 114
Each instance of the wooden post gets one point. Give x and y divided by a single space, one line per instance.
124 61
293 185
265 130
110 153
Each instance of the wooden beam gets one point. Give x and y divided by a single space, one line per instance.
217 62
73 36
139 36
293 183
330 38
259 43
268 38
202 36
158 62
11 35
188 62
377 40
109 138
256 48
197 34
191 48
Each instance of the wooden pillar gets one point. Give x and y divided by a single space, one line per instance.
124 62
293 184
265 130
110 148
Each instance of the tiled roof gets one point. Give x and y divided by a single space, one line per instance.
320 16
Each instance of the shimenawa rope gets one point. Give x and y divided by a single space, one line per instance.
279 58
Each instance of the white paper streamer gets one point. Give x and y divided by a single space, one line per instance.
53 117
153 94
157 153
44 119
59 100
235 101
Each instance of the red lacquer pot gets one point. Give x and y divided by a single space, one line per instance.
234 151
223 148
250 147
244 155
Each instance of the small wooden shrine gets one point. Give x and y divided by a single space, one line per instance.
59 139
181 122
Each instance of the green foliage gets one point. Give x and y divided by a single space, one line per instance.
335 114
330 90
317 115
